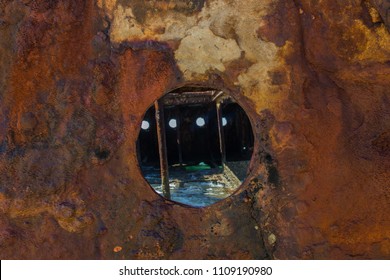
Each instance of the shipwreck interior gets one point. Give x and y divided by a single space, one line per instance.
195 145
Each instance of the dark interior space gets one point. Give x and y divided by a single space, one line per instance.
199 144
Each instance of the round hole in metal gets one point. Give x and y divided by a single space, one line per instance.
198 146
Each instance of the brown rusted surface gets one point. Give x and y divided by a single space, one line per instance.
220 132
76 78
162 148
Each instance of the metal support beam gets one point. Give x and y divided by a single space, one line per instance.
162 148
220 132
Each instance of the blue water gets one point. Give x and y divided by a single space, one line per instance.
195 190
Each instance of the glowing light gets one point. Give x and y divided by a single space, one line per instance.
173 123
145 125
224 121
200 122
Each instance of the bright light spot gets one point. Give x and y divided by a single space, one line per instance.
173 123
200 122
145 125
224 121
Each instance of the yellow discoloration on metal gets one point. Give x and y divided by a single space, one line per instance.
201 51
219 34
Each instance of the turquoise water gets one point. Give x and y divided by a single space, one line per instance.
193 190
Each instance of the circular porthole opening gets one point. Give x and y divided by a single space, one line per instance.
172 123
145 125
195 146
224 121
200 122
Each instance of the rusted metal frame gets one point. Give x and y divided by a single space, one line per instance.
183 100
217 95
200 97
193 92
162 148
220 132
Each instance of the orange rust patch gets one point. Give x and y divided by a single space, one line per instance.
117 249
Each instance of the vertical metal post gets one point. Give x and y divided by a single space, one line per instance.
162 148
178 136
220 132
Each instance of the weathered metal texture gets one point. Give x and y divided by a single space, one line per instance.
77 76
187 98
162 148
221 135
195 97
